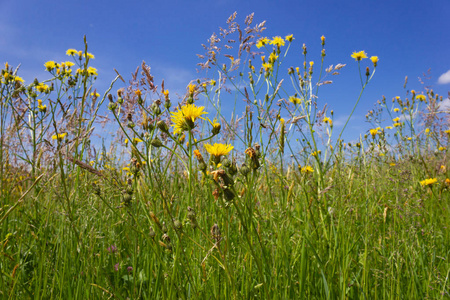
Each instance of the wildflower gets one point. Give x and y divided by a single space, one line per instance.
373 132
191 88
421 97
307 169
322 38
42 108
295 99
396 110
441 148
427 130
59 136
50 65
218 149
396 120
277 41
447 182
96 95
262 42
289 38
69 64
272 57
166 93
374 60
92 71
389 127
358 56
328 120
212 82
267 67
311 64
428 181
89 55
447 131
392 164
185 117
71 52
41 87
136 140
17 78
397 124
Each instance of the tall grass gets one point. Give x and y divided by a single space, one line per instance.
189 202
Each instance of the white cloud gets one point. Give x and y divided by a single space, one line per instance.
444 106
444 78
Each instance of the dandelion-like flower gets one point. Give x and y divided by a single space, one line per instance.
50 65
289 38
428 181
184 118
277 41
374 60
218 149
59 136
71 52
261 42
358 56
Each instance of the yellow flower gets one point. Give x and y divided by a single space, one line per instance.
71 52
374 60
427 130
138 92
191 88
295 100
396 120
272 57
428 181
307 169
277 41
262 42
96 95
17 78
322 39
421 97
166 93
59 136
373 132
328 120
267 67
388 127
289 38
392 164
136 140
396 109
212 82
359 55
447 131
218 149
50 65
89 55
41 87
311 64
92 71
397 124
183 119
441 148
69 64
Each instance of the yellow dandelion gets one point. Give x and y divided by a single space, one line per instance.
396 110
262 42
71 52
92 71
373 132
396 120
421 97
307 169
59 136
277 41
191 88
183 119
328 120
89 55
17 78
50 65
374 60
358 56
218 149
267 67
428 181
289 38
295 100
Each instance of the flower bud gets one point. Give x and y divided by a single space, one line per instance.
162 126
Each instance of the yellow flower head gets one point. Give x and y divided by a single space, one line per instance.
71 52
191 88
374 60
295 100
89 55
307 169
328 120
59 136
396 109
262 42
421 97
267 67
69 64
50 65
183 119
166 93
359 55
92 71
373 132
428 181
218 149
322 39
17 78
277 41
289 38
396 119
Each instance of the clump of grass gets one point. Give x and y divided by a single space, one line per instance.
193 203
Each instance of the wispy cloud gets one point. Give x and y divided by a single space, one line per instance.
444 78
444 106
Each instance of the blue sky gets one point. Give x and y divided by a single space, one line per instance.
409 37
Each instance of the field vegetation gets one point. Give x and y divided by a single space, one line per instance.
191 202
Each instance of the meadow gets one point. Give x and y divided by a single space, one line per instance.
187 202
